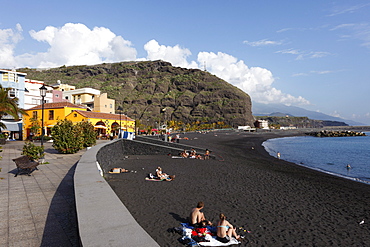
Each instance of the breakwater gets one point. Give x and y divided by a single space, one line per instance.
335 133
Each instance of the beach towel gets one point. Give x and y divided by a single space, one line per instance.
210 240
155 179
177 157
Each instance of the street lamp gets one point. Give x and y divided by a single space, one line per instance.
43 94
135 113
120 113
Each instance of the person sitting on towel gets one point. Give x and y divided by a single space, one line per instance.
225 230
197 217
163 176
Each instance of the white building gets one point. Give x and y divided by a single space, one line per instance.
263 124
32 95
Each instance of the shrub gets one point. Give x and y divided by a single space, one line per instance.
32 151
88 133
67 139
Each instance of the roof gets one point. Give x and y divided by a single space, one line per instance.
57 105
101 115
11 71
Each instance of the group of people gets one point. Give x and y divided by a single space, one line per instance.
225 231
194 155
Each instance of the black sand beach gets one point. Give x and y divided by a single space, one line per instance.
280 203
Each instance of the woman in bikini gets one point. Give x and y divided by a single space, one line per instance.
225 230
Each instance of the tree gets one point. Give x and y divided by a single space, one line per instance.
67 138
35 126
88 133
9 106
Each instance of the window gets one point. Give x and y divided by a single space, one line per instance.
51 114
34 114
111 105
56 95
5 76
75 115
12 93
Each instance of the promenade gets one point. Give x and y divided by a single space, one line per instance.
38 210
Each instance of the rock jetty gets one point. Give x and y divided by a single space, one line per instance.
335 133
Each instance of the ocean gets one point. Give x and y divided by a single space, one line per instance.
327 154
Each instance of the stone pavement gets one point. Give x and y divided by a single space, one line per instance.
38 210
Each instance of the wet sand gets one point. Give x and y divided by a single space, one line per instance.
280 203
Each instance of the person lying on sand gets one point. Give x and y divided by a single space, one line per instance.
225 230
184 154
117 170
197 217
163 176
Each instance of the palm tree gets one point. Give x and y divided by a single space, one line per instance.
9 106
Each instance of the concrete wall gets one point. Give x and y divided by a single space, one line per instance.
103 220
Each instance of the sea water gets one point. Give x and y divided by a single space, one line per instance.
347 157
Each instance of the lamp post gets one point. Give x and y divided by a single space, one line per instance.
135 113
120 113
43 94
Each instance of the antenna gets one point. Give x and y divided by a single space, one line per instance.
205 67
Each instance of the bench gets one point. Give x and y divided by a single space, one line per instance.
23 163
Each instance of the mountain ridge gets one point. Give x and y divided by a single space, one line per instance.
260 109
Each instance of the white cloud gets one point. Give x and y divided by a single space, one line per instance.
304 54
289 51
76 44
263 42
336 114
299 74
174 54
359 31
8 40
339 10
255 81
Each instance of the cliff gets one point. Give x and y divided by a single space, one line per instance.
144 89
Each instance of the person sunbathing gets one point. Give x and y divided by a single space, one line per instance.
197 217
225 231
118 170
163 176
184 154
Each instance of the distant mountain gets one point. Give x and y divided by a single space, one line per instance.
259 109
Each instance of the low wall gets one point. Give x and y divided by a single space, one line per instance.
103 220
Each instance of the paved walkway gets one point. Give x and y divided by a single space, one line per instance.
38 210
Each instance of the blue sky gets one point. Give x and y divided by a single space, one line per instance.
312 54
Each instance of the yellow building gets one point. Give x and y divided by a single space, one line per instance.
104 123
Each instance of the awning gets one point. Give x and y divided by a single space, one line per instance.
11 126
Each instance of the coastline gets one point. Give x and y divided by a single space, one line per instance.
279 202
